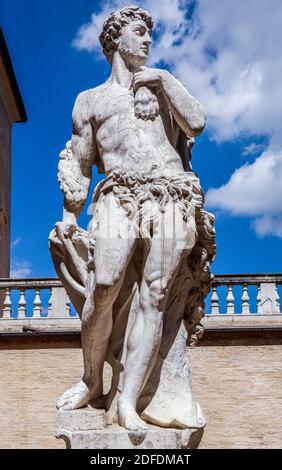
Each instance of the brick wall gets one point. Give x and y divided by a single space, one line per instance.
237 381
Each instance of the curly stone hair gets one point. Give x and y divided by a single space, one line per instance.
113 26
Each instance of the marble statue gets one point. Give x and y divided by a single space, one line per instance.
139 275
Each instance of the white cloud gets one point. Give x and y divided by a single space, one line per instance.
252 189
15 243
253 149
229 56
87 37
20 268
268 225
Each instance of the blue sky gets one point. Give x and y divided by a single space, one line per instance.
226 53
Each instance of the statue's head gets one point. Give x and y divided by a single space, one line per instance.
128 31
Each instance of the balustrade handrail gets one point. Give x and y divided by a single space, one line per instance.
251 279
30 283
218 279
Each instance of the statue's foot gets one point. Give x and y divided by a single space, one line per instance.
75 397
129 419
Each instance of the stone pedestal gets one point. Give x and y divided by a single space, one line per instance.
88 429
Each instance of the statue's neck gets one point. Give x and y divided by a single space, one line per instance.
122 72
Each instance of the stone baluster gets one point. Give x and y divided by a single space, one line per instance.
268 293
58 303
50 301
277 300
7 304
230 300
214 301
259 306
68 306
22 305
245 301
37 305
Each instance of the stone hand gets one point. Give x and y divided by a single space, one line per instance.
53 237
70 178
148 77
67 227
62 230
73 190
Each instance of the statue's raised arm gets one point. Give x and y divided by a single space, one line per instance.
186 110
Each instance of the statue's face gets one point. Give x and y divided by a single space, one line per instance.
134 42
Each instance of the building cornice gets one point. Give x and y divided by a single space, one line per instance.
9 89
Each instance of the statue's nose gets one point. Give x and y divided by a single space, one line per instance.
147 39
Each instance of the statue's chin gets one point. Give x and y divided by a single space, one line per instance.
130 57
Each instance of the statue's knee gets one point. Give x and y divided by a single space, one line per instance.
103 291
104 296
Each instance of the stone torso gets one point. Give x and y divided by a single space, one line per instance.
127 142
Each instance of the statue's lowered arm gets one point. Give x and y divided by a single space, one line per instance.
75 166
68 242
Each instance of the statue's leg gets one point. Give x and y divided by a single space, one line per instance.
165 255
114 246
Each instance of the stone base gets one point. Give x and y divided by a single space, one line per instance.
87 429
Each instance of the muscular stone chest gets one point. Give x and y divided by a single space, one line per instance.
115 102
117 126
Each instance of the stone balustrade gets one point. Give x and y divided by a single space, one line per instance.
39 303
43 302
266 294
58 304
244 301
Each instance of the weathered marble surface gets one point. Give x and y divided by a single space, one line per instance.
139 275
74 427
